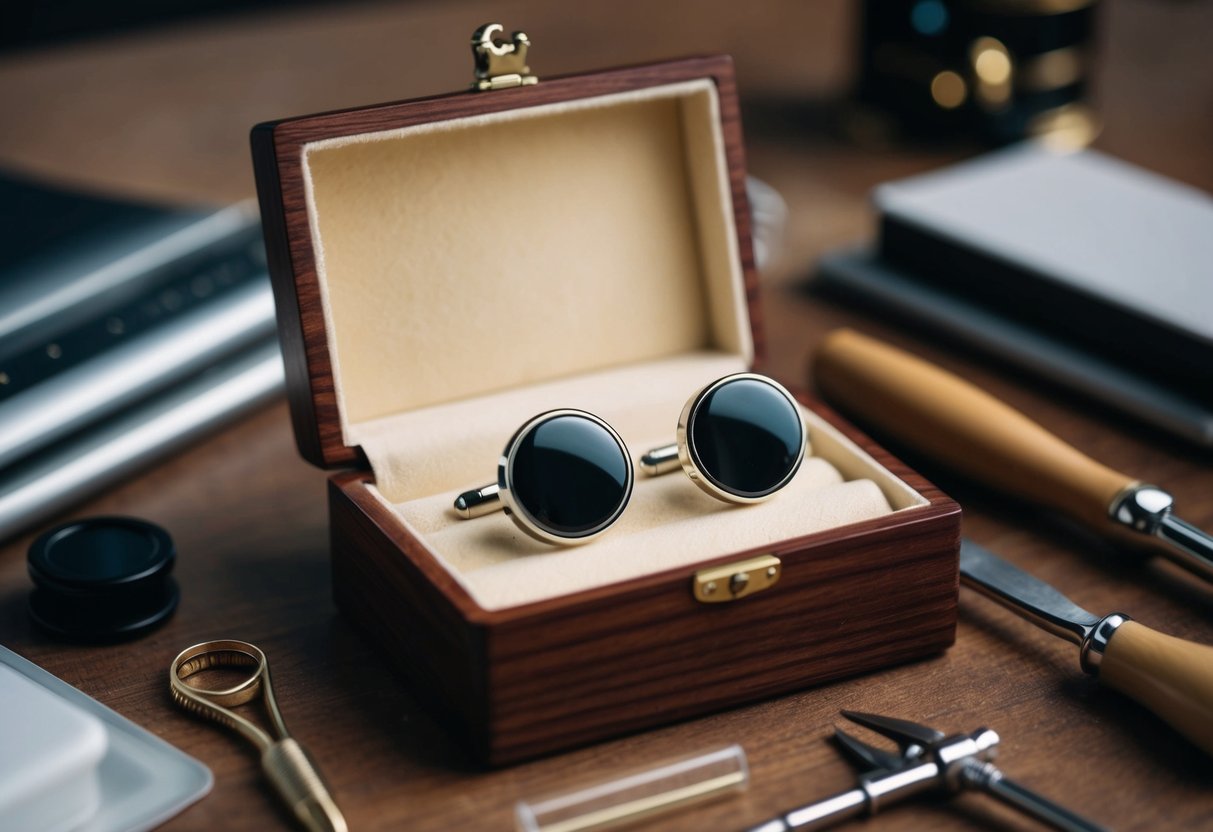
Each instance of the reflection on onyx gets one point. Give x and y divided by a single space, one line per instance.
570 475
746 437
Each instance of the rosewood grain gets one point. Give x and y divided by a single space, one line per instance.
526 681
522 682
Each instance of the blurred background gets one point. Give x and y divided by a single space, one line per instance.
157 98
151 103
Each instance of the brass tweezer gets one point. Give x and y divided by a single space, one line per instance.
285 763
927 760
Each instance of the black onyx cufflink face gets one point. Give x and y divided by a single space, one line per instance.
740 439
564 477
102 579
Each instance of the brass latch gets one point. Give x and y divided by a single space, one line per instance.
500 65
736 580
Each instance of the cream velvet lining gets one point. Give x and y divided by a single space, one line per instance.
479 271
668 523
478 254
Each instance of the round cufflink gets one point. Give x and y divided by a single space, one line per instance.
564 477
740 439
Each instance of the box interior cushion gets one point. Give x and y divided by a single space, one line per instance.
479 254
669 521
477 272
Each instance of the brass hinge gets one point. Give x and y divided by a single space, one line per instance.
500 65
736 580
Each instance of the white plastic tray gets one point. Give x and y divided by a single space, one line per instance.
144 781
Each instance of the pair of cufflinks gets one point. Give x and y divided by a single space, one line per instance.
566 475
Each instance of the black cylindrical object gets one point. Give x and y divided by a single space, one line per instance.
102 579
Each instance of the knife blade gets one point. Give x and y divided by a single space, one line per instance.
1027 596
1170 676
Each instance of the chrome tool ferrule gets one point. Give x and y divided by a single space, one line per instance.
1147 510
1095 643
1141 507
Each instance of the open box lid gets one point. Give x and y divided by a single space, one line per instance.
440 249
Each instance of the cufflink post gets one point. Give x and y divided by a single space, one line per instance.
479 501
661 460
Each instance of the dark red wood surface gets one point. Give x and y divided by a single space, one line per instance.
166 113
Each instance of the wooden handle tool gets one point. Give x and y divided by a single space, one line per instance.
1170 676
940 414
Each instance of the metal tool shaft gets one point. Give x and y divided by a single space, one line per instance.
819 815
1191 547
988 778
875 791
928 760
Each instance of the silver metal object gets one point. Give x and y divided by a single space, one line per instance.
1147 509
927 759
661 460
479 501
88 276
147 364
1039 603
77 468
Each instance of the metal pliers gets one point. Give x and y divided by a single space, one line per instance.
927 760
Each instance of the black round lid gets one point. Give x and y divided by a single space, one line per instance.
102 578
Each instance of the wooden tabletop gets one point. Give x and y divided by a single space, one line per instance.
165 114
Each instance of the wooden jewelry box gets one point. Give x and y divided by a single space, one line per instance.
447 268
